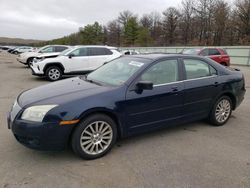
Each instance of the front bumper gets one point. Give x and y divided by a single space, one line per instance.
41 136
36 70
48 136
21 60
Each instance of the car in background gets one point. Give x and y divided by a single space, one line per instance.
130 52
12 48
48 52
22 49
80 59
217 54
127 96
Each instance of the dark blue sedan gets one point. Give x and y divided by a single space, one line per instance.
127 96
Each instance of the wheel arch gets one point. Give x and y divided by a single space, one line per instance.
53 64
106 112
231 96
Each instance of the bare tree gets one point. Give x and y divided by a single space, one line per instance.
114 33
124 17
221 14
187 13
170 22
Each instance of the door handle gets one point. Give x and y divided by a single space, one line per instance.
216 84
174 89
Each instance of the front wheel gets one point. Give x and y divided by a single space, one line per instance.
94 136
221 111
53 73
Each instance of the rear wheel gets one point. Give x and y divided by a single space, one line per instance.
221 111
53 73
94 136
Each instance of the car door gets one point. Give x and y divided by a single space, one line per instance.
98 56
160 106
201 86
215 54
77 60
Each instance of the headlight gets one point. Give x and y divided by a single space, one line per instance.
36 113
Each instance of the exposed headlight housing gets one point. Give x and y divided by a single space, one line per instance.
36 113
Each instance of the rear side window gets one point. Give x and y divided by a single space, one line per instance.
99 51
60 48
204 52
197 68
213 52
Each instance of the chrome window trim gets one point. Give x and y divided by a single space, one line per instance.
175 82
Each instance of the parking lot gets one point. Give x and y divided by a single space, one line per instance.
190 155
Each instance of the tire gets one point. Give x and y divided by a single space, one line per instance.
221 111
53 73
29 61
90 143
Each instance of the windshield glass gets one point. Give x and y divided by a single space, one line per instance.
191 51
117 71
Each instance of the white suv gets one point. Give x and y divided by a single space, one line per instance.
46 51
80 59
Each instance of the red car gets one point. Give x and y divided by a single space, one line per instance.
217 54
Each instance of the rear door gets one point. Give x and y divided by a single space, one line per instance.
215 54
201 86
98 56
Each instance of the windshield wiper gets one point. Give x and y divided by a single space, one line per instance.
84 77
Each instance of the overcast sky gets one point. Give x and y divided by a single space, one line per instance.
49 19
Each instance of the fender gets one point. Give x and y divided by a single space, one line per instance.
54 64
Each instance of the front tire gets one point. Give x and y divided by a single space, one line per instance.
94 136
221 111
53 73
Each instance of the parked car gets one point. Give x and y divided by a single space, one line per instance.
127 96
47 51
22 49
11 49
80 59
217 54
130 52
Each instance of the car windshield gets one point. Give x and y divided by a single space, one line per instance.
193 51
117 71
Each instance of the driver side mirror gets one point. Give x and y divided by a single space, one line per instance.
71 55
143 85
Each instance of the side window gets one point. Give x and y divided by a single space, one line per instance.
197 68
162 72
204 52
60 48
99 51
213 52
79 52
48 49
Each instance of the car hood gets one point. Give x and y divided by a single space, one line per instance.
60 92
48 54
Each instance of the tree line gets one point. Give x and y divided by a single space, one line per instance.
194 22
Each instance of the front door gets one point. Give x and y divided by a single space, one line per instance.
160 106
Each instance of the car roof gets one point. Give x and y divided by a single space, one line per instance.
96 46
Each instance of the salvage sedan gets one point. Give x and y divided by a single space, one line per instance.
127 96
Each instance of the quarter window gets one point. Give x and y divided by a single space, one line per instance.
162 72
198 69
